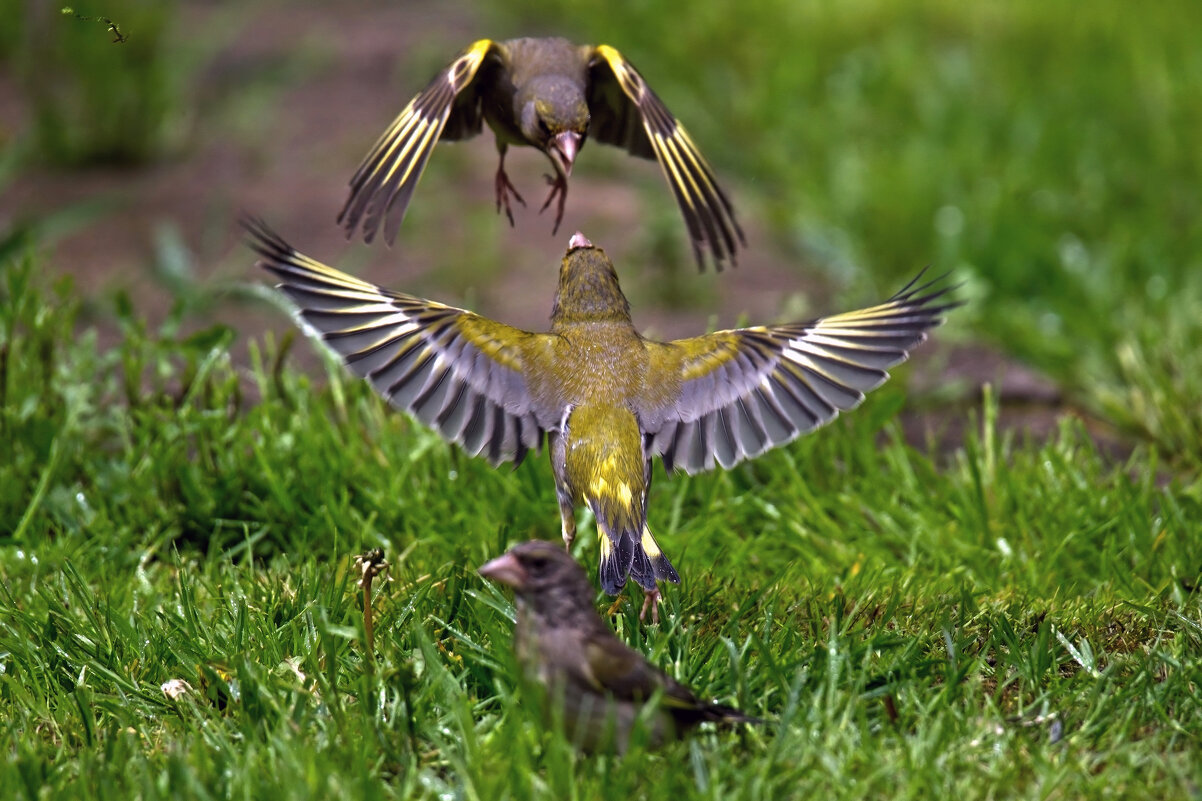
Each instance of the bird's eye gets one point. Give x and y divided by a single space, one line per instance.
542 126
538 563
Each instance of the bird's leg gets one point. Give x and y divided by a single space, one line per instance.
505 188
559 186
567 514
558 452
650 601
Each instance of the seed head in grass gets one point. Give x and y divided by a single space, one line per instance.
552 95
606 399
602 685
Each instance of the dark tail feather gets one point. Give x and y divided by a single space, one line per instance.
720 713
616 561
649 564
689 716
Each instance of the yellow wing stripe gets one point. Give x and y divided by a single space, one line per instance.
398 129
667 146
626 78
683 150
818 339
459 74
706 210
401 137
670 168
452 370
412 127
803 359
395 162
744 391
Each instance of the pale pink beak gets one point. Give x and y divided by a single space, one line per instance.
505 569
578 240
562 150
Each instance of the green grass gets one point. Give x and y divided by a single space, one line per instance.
1014 620
997 616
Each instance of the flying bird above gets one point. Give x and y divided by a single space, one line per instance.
603 685
552 95
605 399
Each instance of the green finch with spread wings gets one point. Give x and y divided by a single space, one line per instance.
605 399
601 684
552 95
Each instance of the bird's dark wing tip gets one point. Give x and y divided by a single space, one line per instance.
262 239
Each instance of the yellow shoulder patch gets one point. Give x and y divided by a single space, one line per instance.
464 68
628 78
497 341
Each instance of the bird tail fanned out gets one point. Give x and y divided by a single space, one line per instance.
649 564
623 554
617 556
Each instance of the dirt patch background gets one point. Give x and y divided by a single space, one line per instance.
285 109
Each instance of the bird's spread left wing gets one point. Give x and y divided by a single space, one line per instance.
636 119
383 184
457 372
735 394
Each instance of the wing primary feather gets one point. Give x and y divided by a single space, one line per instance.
415 365
383 185
726 446
498 435
799 401
429 402
474 430
670 434
450 420
776 419
707 212
764 386
453 371
750 433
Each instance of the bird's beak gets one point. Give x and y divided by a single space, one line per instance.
505 569
562 150
579 240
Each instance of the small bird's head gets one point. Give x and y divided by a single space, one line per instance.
543 575
555 118
588 288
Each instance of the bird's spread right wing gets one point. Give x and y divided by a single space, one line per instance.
636 119
384 183
457 372
731 395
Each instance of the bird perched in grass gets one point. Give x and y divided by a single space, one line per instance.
602 685
552 95
606 399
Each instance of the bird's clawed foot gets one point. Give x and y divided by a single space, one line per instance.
559 186
650 601
505 188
